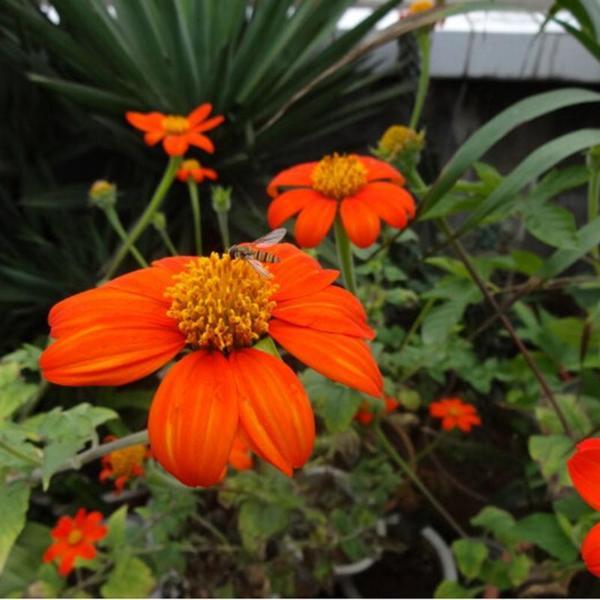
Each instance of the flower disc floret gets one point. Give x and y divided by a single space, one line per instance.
339 176
175 125
126 461
221 303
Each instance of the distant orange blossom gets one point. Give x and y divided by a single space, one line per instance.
455 414
192 169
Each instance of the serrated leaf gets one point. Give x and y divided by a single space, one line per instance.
470 556
498 522
116 525
453 589
543 530
131 578
258 521
519 568
551 452
14 502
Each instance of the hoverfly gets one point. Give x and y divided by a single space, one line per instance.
254 254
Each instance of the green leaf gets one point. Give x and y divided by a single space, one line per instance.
498 522
526 262
519 568
258 521
14 501
551 452
470 556
116 524
334 403
453 589
543 530
552 225
573 411
493 131
14 391
131 578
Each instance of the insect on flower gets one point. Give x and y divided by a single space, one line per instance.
254 252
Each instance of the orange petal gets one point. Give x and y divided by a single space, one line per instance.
210 174
153 137
590 550
300 175
360 222
146 121
287 205
194 418
391 202
201 141
339 357
200 113
315 221
332 309
379 169
584 469
173 264
175 145
207 125
274 408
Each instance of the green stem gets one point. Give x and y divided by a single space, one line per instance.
146 217
166 238
196 212
413 328
417 481
424 42
345 259
223 220
113 219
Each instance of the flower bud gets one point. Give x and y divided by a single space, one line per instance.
103 194
221 199
402 146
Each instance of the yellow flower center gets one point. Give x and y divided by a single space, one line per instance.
123 461
190 164
398 139
419 6
101 187
221 302
339 176
175 125
454 411
74 537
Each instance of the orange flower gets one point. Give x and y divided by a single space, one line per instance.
419 6
240 457
366 414
219 307
584 469
590 550
177 132
75 537
124 464
191 168
455 414
363 190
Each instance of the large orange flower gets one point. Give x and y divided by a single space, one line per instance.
218 307
584 469
455 413
74 537
177 132
362 189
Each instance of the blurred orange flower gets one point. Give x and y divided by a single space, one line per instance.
75 537
363 190
240 457
590 550
124 464
191 168
419 6
455 413
177 132
366 414
220 307
584 469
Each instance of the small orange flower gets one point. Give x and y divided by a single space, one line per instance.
219 307
240 457
124 464
366 414
363 190
584 469
455 414
74 537
177 132
590 550
419 6
191 168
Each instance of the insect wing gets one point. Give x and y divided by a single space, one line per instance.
270 239
257 266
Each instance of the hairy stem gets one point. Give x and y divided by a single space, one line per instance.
196 214
113 219
345 259
424 42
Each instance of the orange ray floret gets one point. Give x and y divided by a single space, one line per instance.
192 169
240 457
590 550
365 414
584 469
360 189
75 537
123 464
455 413
219 307
177 132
